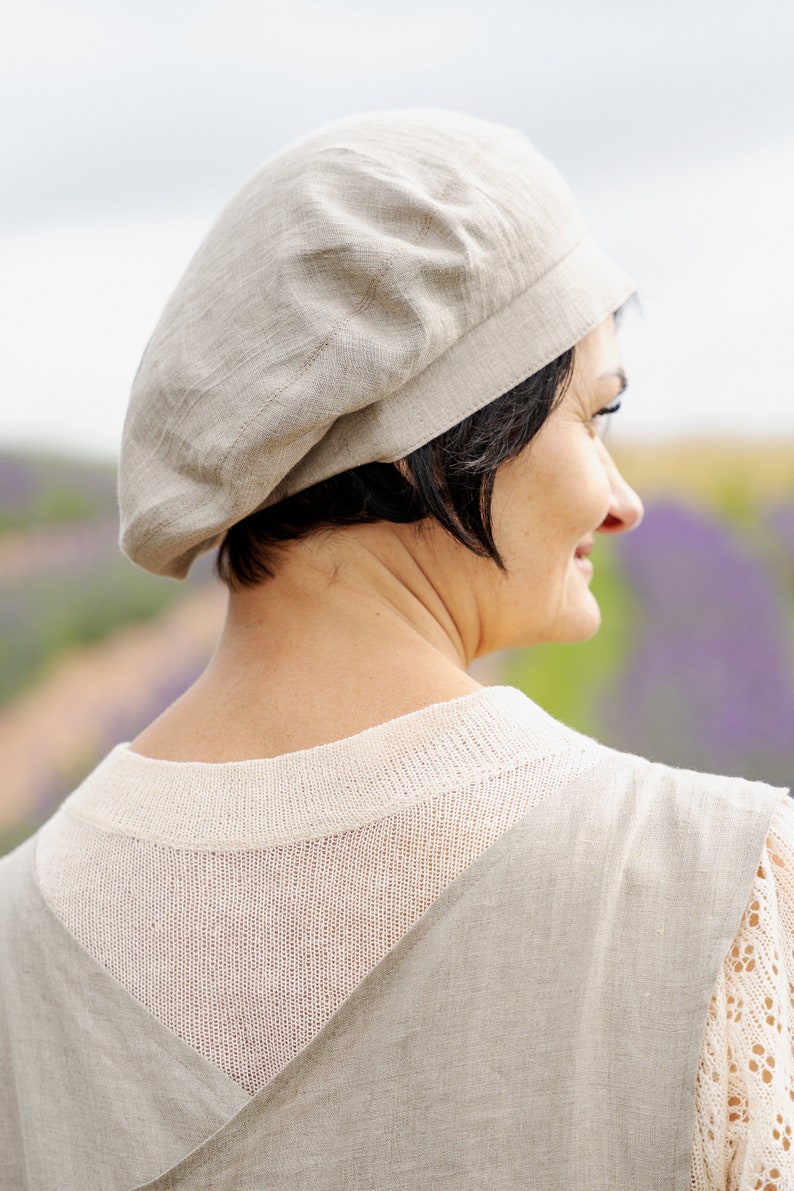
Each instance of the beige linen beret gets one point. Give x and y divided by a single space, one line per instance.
369 287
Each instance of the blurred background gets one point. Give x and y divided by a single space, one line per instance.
129 125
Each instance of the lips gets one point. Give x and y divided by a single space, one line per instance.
580 557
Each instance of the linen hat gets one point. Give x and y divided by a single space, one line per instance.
371 285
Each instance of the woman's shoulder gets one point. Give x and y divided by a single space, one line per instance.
530 721
732 785
17 892
720 804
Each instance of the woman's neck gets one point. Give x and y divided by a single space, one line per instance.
337 642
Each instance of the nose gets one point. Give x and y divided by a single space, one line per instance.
625 507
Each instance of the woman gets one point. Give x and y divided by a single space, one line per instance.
341 917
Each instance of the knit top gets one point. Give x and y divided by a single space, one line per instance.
242 902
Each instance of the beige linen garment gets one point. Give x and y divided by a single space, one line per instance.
538 1026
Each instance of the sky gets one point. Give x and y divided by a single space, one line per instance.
128 126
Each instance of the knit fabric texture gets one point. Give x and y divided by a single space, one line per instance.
241 903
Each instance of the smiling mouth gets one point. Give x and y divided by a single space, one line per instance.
581 559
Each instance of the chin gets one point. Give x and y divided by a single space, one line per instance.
584 634
579 626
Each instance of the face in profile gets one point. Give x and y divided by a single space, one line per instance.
551 502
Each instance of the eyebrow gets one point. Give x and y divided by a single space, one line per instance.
621 376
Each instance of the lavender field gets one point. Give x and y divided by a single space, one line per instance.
91 648
694 664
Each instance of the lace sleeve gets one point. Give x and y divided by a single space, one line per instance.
745 1082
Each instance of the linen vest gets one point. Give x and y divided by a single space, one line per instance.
538 1027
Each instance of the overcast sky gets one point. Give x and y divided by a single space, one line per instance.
127 125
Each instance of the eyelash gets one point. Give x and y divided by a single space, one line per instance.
602 426
609 409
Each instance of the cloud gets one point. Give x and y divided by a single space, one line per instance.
142 107
133 123
82 301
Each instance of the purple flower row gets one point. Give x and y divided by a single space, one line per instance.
709 682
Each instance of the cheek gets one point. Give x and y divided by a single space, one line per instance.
593 493
580 507
546 501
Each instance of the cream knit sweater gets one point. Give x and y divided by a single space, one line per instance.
242 902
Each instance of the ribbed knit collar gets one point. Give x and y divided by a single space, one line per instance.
322 790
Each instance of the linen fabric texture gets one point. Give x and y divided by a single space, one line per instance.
538 1025
371 286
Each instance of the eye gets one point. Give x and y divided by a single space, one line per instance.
602 416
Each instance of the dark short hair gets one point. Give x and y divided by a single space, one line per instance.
450 479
